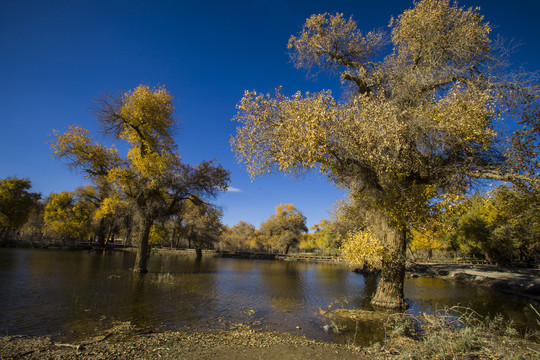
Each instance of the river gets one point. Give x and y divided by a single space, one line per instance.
75 294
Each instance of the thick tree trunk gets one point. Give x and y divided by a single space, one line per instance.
142 249
389 292
101 233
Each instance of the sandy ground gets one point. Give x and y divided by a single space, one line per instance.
226 345
250 344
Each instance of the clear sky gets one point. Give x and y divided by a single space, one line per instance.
57 56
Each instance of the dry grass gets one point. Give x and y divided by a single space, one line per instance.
453 333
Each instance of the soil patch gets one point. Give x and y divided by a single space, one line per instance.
234 345
127 342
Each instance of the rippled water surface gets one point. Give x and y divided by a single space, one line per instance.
75 294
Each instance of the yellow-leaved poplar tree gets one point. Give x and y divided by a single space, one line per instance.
418 124
152 176
284 228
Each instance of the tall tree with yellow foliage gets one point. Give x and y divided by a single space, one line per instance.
152 175
418 125
284 228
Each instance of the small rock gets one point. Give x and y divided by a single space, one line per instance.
326 328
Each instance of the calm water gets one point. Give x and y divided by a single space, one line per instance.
74 294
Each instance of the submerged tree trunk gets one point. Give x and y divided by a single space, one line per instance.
389 292
142 249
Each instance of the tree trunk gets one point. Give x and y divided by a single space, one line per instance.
287 248
101 234
109 234
172 238
127 235
142 249
389 292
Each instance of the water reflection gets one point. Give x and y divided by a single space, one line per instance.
74 294
432 294
282 285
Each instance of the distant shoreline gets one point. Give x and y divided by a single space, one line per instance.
517 281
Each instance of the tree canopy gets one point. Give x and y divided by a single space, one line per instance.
151 176
285 227
67 217
419 125
201 223
16 204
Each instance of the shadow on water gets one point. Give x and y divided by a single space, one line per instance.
73 294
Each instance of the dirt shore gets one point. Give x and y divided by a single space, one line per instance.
525 282
129 343
237 345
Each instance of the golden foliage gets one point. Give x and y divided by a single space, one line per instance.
146 118
436 32
16 202
419 128
110 206
66 218
425 239
362 248
82 151
284 228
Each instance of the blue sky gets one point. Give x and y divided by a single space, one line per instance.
56 56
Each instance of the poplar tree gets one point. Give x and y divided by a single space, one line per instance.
284 228
419 126
151 176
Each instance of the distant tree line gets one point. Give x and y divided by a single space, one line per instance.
500 227
279 233
69 218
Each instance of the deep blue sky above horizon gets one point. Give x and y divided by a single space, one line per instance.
57 56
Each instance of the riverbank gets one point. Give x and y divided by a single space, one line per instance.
519 281
126 342
131 344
